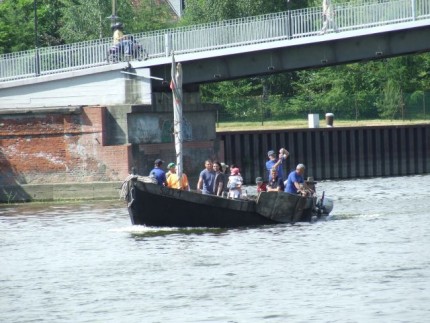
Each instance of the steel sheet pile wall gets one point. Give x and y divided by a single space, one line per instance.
334 153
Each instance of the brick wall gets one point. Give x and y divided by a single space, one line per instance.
59 145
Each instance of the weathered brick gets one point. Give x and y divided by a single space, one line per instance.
54 147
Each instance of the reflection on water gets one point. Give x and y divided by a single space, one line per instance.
84 262
140 231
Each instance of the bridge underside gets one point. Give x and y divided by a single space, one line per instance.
328 51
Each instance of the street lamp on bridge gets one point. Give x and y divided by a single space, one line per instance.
113 17
36 41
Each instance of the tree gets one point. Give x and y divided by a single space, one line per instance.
17 24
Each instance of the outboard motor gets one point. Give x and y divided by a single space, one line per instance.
324 205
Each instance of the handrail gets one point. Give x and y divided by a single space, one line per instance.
210 36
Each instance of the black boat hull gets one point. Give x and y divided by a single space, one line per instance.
153 205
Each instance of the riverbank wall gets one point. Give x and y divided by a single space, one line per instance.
65 153
334 152
73 153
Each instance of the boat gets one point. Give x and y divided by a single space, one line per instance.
151 204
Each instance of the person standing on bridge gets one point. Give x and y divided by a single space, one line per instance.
121 40
328 17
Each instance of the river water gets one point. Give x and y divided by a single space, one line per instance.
370 262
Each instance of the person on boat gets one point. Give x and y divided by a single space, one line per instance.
173 180
224 168
261 186
295 183
276 183
207 179
158 173
310 183
235 182
172 168
219 179
274 162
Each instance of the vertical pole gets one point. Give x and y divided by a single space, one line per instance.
289 24
176 86
414 10
113 11
167 44
36 42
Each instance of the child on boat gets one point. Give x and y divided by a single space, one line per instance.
234 184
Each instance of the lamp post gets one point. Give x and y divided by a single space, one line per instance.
36 41
289 20
113 17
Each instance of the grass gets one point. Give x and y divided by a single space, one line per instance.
301 123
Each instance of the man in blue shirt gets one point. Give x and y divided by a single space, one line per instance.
158 173
295 180
276 163
207 179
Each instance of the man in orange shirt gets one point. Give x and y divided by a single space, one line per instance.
174 182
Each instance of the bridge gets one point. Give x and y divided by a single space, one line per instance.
80 74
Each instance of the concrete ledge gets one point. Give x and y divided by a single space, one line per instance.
60 192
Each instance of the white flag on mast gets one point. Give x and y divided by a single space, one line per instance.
176 86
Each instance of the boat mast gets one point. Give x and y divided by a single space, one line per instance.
176 86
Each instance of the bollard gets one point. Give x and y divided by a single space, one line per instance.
329 118
314 120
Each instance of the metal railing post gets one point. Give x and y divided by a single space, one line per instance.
289 25
167 44
414 10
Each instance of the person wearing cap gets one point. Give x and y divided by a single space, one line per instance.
207 179
274 162
234 184
173 180
158 173
261 186
276 183
295 181
171 167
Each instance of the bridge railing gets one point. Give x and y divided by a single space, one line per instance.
217 35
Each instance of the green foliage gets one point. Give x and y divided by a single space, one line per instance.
203 11
88 19
391 102
68 21
85 20
17 24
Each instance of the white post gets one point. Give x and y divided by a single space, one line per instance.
176 86
167 44
414 10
